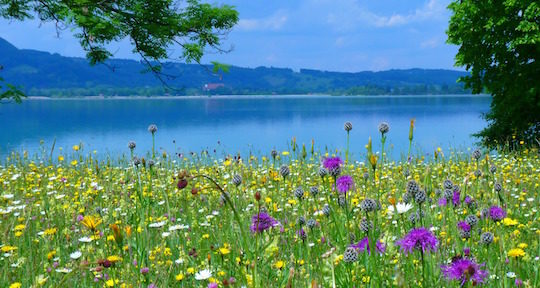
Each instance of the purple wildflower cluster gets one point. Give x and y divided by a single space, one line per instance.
261 222
363 245
497 213
464 226
331 163
345 183
419 238
465 270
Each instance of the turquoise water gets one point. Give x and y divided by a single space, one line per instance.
241 124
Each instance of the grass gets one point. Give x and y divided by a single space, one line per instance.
77 221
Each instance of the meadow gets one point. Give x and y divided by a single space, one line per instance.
295 218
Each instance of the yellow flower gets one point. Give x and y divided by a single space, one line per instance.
50 231
15 285
279 264
179 277
110 283
91 222
285 153
523 245
74 162
51 254
224 251
206 236
516 252
60 158
76 147
8 248
19 227
191 270
509 222
114 258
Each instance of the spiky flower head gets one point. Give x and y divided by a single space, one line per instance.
342 201
384 128
465 270
419 239
420 196
448 184
477 173
299 193
333 165
496 213
274 154
476 154
497 187
326 210
486 238
301 221
284 171
363 245
132 145
301 234
350 255
493 169
322 172
314 191
152 128
311 223
412 187
345 183
261 222
347 126
471 220
237 180
365 225
368 205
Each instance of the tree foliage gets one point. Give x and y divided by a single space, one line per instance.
153 27
500 44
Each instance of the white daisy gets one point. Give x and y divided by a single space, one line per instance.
203 274
75 255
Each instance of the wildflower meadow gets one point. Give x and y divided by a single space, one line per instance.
294 218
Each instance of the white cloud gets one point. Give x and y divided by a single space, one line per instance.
348 14
274 22
431 10
430 43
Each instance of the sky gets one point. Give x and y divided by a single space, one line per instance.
331 35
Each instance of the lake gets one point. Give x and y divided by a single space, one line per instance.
243 124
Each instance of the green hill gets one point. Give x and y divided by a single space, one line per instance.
45 74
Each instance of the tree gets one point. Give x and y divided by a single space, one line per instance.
153 27
500 45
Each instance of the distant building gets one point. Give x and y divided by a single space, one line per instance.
212 86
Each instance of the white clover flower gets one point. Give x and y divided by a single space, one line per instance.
85 239
157 224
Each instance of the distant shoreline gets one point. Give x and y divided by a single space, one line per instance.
245 96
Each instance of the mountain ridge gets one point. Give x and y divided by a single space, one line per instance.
51 74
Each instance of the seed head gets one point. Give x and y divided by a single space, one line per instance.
284 171
350 255
347 126
132 145
237 180
384 128
152 128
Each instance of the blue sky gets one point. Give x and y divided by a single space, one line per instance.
334 35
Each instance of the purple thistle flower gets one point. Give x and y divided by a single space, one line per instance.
261 222
464 270
497 213
464 226
518 282
468 200
345 183
363 245
419 238
456 198
442 202
212 285
332 163
145 270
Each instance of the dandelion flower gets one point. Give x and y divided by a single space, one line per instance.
516 252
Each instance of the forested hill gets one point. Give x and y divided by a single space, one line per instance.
45 74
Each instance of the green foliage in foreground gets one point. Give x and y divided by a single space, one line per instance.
500 44
153 27
82 222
